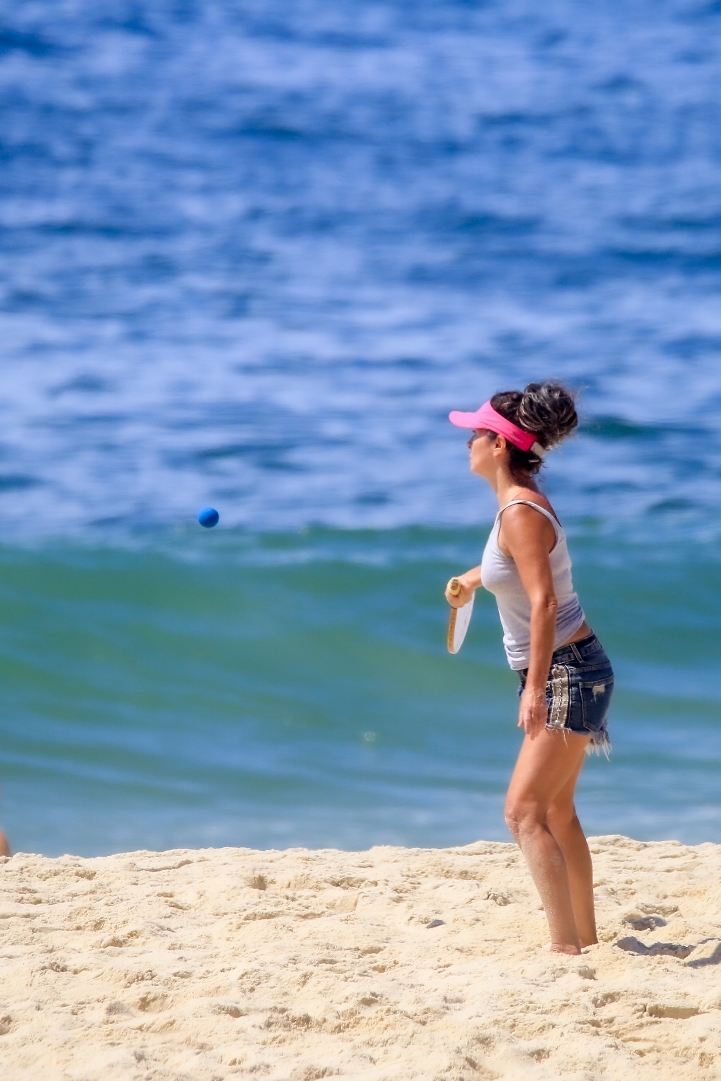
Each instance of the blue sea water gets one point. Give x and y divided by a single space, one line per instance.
252 254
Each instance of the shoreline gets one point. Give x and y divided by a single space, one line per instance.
301 964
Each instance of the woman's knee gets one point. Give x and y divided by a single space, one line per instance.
562 816
523 815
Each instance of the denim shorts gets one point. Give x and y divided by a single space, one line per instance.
579 690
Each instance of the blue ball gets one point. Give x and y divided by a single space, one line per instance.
208 517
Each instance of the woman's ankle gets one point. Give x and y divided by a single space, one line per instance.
569 948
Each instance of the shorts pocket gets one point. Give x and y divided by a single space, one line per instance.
558 697
595 701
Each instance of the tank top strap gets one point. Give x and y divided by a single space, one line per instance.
536 506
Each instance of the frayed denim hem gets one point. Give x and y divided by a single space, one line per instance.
600 742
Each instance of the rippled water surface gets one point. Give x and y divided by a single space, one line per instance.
252 254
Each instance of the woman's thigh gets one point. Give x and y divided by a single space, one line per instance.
545 767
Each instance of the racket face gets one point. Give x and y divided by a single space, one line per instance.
458 625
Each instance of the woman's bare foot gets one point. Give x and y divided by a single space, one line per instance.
4 846
572 950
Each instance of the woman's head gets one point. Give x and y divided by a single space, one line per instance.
546 410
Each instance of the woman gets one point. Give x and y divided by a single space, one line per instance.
566 678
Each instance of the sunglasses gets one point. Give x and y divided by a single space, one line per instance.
477 433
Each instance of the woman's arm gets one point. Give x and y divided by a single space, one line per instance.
470 582
529 537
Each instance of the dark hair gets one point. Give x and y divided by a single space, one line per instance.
545 409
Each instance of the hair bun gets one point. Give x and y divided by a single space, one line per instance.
549 411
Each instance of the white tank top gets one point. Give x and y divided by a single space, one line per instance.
499 575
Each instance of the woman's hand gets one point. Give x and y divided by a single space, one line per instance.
533 711
469 583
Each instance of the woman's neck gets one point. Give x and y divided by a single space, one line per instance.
508 489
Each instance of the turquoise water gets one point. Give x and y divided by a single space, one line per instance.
295 689
252 255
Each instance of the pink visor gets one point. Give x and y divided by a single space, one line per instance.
487 417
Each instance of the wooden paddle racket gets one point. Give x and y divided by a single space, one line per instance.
459 618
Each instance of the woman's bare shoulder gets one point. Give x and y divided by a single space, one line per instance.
518 510
521 523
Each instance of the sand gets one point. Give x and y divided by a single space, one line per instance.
298 965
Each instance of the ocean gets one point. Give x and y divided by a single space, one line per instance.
252 255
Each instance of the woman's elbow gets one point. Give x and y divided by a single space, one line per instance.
547 604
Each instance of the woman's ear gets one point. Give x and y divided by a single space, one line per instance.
500 445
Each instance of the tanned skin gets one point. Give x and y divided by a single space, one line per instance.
540 809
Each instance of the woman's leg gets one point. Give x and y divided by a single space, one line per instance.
565 827
545 766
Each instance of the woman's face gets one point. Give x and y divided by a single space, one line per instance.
481 452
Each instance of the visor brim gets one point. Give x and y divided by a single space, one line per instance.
465 420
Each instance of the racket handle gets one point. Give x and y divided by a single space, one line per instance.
454 587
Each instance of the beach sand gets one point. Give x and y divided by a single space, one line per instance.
302 964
